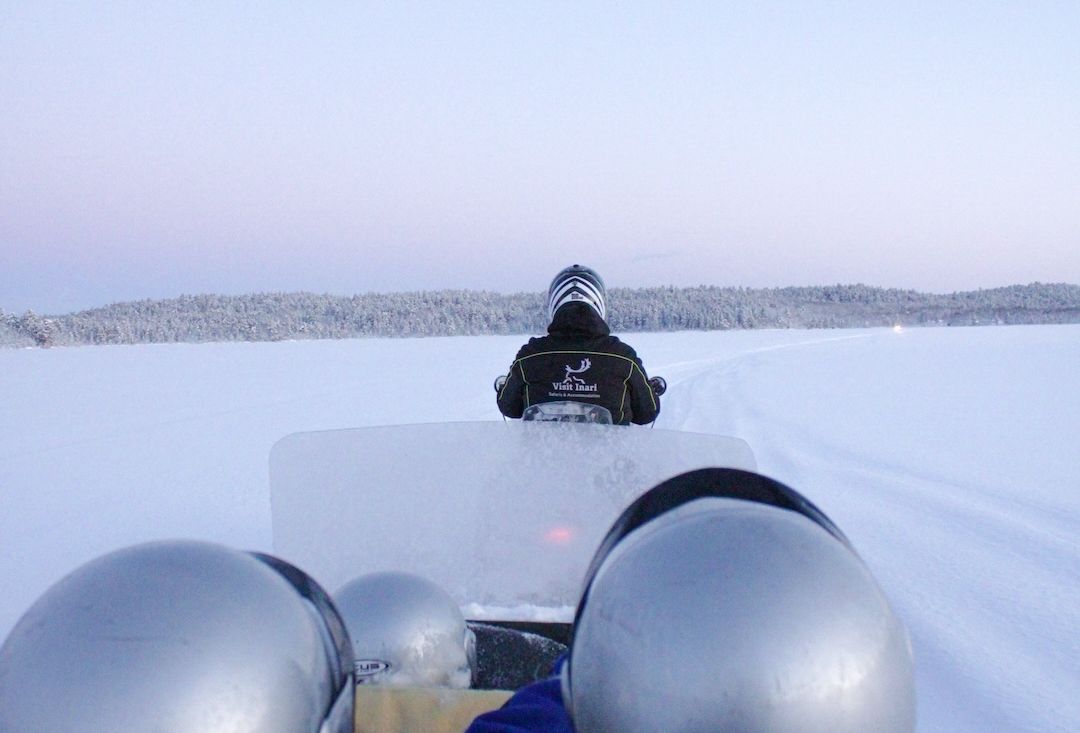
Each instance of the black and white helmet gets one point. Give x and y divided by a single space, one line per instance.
723 600
577 284
179 637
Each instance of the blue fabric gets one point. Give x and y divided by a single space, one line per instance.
537 708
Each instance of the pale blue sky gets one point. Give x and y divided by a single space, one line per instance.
149 149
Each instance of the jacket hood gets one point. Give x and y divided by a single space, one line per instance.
578 318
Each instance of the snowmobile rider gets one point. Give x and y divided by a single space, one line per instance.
579 360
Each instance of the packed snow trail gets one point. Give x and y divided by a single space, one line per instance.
962 504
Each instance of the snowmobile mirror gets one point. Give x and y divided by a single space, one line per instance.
658 385
500 381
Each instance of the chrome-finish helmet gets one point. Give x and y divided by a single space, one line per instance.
179 637
406 631
722 600
577 284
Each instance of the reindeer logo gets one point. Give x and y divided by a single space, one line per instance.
585 364
574 384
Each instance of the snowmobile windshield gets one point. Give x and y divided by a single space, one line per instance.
565 411
504 516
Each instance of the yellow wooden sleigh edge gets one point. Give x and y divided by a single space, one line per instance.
421 710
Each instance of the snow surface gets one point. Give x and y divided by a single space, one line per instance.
948 456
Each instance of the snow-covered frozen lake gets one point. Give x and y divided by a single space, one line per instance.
948 456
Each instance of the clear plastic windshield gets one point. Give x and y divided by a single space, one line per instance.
504 516
567 412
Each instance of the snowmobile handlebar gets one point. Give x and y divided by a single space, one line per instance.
658 385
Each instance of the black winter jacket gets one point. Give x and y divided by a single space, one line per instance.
579 360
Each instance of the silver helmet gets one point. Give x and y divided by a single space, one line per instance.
406 631
722 600
179 637
577 284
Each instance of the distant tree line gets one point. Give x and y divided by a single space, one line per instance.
279 316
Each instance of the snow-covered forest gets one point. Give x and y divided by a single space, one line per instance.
281 316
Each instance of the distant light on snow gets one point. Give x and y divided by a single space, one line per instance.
559 536
898 328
